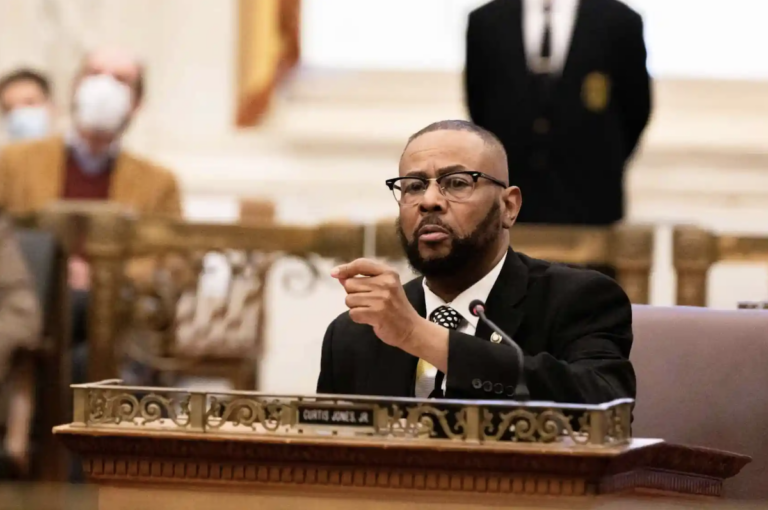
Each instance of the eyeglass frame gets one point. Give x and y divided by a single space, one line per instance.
472 173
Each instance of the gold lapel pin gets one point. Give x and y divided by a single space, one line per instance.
495 338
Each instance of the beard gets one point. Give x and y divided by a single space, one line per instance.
463 250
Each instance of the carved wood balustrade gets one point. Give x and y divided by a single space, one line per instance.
628 248
143 269
696 250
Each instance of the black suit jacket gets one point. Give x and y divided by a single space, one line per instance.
574 325
571 166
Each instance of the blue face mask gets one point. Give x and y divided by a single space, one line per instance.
28 123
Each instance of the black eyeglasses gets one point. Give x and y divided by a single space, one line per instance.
456 186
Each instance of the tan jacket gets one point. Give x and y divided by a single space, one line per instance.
20 320
32 176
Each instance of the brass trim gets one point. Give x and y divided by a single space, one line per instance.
110 405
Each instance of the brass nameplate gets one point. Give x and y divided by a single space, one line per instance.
318 414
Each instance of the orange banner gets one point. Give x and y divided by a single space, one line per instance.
268 48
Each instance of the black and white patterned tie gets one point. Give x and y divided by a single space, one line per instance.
429 380
447 317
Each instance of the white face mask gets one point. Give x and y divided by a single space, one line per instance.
102 103
28 123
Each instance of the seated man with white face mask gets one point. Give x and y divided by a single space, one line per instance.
26 105
89 162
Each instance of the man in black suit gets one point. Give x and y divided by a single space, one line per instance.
574 325
564 85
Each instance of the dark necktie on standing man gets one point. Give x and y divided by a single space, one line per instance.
546 40
542 83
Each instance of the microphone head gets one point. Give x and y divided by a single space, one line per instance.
475 307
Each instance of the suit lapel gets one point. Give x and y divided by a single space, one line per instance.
501 305
584 17
393 371
516 37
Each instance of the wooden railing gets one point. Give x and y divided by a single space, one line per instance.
126 254
697 250
628 248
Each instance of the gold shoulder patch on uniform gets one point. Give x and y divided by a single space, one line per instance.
596 91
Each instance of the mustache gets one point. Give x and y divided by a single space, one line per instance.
433 220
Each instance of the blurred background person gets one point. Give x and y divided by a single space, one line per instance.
89 163
20 316
20 330
564 85
27 105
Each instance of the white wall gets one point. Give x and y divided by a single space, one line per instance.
685 38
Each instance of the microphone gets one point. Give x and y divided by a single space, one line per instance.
477 309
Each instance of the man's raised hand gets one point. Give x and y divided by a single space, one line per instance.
376 297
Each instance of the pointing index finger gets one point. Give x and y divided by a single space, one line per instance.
359 267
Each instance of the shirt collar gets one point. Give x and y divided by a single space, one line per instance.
558 6
90 164
73 140
480 290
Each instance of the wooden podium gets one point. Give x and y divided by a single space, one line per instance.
176 449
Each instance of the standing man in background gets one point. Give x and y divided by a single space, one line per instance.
26 105
564 85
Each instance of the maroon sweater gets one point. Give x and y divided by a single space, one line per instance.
81 186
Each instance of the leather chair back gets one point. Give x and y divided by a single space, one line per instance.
43 255
39 249
702 378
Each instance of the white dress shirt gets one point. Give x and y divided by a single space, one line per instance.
480 290
563 18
